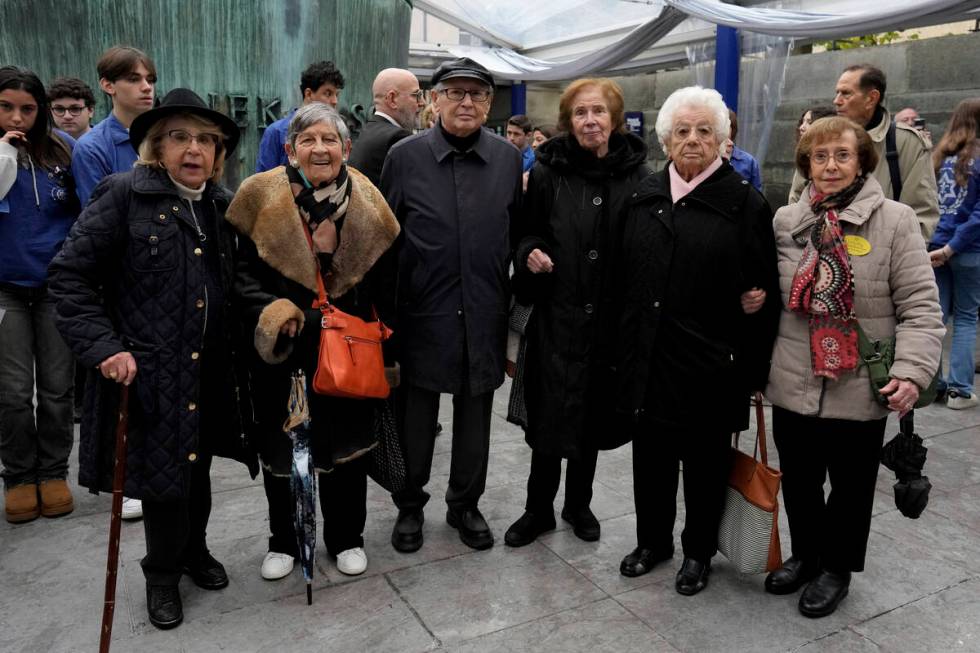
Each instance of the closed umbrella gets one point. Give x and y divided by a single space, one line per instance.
906 456
303 477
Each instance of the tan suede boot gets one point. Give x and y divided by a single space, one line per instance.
21 503
56 499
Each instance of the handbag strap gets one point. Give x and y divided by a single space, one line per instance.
322 301
760 429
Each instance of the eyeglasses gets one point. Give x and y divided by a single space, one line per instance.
204 139
457 94
702 132
418 95
840 156
74 110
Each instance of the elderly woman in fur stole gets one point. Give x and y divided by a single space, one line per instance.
352 228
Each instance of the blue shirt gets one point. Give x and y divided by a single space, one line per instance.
272 154
746 165
103 151
33 227
527 157
959 209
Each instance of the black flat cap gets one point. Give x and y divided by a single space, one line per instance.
183 100
463 67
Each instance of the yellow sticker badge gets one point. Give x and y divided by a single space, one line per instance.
857 246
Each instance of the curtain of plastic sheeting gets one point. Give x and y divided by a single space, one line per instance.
824 24
760 89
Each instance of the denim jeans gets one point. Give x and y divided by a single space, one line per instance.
959 295
34 445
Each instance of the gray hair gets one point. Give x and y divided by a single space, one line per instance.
698 98
312 114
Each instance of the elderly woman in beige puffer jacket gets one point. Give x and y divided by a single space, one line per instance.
846 254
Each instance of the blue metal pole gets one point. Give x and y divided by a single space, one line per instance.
727 57
518 99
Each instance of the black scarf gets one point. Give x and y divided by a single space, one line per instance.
328 201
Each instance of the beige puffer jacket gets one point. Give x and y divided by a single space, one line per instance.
895 294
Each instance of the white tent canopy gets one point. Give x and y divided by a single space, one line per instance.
626 33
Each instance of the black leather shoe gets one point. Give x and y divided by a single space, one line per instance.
207 573
163 605
822 596
793 575
406 536
526 529
693 577
584 524
642 560
472 527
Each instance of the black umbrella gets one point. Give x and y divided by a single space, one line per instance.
302 478
906 456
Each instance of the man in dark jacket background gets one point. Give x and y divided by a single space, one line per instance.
455 189
397 102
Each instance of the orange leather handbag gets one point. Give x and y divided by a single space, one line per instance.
350 362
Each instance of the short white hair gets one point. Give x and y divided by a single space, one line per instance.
693 97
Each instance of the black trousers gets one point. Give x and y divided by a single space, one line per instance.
832 529
542 483
343 504
706 457
419 410
176 531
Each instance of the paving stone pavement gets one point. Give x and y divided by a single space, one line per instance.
920 591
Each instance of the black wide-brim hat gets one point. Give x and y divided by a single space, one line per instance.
183 100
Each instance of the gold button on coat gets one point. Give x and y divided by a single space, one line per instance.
197 251
192 457
195 355
199 303
192 406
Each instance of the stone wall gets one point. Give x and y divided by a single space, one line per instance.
932 75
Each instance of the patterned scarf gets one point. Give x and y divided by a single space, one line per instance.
823 288
327 202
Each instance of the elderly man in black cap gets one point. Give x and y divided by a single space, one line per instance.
455 189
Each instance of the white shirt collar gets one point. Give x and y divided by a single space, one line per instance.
387 117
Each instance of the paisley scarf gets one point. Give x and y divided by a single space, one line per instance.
823 287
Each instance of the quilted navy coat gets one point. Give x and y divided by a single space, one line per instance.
131 277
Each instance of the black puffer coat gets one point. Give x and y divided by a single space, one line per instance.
131 277
574 212
688 356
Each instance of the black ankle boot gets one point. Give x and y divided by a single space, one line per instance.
164 606
794 574
822 596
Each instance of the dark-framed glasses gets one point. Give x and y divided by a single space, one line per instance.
204 139
75 109
840 156
457 94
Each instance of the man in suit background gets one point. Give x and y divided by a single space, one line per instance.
397 102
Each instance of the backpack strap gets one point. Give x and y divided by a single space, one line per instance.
891 154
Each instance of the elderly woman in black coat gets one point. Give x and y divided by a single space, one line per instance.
573 215
143 286
697 247
350 229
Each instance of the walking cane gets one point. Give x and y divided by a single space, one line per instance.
115 519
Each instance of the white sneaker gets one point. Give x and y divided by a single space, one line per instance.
276 565
132 508
352 561
956 401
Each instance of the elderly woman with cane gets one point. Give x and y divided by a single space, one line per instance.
143 290
312 218
852 267
697 251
